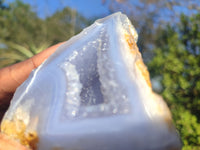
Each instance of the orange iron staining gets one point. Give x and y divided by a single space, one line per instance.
93 93
133 49
17 130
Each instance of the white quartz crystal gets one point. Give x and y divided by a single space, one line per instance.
93 93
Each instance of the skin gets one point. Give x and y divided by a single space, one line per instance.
10 78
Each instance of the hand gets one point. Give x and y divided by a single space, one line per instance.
10 78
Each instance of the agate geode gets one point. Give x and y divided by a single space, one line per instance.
93 93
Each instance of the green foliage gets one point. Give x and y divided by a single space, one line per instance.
177 61
20 53
64 24
188 126
22 32
2 5
20 25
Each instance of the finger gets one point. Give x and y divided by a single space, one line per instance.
7 144
12 76
39 58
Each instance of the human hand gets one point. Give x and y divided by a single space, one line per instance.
10 78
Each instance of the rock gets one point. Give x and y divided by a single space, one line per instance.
94 92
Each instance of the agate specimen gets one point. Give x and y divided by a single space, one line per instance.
93 93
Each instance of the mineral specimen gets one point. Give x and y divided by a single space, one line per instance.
93 93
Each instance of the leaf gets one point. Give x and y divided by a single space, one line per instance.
12 56
23 50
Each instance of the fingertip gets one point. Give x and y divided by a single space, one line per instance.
40 57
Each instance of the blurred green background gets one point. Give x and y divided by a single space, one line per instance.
169 40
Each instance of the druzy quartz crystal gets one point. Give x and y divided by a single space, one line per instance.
93 93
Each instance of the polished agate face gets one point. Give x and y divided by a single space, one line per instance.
93 93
